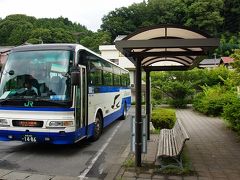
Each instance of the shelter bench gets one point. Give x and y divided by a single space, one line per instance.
170 145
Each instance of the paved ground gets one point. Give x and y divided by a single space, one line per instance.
93 160
214 150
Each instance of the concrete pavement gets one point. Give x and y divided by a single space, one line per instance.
213 149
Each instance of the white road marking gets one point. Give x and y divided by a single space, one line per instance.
89 167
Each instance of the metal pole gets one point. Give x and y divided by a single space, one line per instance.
148 102
138 115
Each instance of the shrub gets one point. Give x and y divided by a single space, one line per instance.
163 118
231 113
179 92
212 100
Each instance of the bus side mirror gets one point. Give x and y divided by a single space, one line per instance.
75 78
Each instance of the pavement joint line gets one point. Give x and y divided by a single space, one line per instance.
7 156
89 167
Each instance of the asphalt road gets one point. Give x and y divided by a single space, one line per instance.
85 159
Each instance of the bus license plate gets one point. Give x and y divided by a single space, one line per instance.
29 138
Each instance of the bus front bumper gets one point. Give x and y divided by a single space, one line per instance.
60 137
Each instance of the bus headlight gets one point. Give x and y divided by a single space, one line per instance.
60 123
4 122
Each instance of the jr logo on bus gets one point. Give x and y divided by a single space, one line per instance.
28 104
116 104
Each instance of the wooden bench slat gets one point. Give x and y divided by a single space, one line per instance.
171 141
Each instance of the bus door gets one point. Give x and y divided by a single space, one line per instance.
81 103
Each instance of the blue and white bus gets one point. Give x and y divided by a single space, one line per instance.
60 94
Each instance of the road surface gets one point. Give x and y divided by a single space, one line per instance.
85 159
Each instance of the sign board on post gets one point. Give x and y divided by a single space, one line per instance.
144 134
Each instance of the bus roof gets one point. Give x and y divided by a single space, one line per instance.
36 47
62 46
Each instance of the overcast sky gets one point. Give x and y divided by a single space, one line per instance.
85 12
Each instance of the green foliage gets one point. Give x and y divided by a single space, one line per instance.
178 91
200 14
171 170
178 88
163 118
93 40
174 87
228 43
231 113
156 96
205 15
216 76
236 57
231 15
129 162
19 29
212 100
125 20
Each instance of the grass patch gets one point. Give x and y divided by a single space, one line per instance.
155 131
129 165
186 170
129 162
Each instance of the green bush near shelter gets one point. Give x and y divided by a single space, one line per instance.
163 118
231 113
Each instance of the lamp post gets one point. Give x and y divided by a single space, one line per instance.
215 59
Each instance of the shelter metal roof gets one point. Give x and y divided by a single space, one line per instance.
166 43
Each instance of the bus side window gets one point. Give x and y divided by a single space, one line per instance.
107 74
116 76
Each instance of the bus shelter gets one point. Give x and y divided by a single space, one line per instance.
161 48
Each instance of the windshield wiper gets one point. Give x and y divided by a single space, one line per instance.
51 101
12 99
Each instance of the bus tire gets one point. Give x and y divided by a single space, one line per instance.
124 115
98 127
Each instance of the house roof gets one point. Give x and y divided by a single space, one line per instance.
210 62
227 60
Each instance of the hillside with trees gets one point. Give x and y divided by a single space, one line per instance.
220 18
20 29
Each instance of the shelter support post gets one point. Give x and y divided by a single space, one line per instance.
138 115
148 103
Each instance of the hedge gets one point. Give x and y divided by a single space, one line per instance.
163 118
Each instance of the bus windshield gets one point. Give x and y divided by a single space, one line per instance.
37 75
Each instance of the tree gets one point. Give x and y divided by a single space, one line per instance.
93 40
15 29
204 15
236 65
199 14
19 29
124 20
231 14
42 35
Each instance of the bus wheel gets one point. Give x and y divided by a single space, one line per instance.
98 127
124 116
